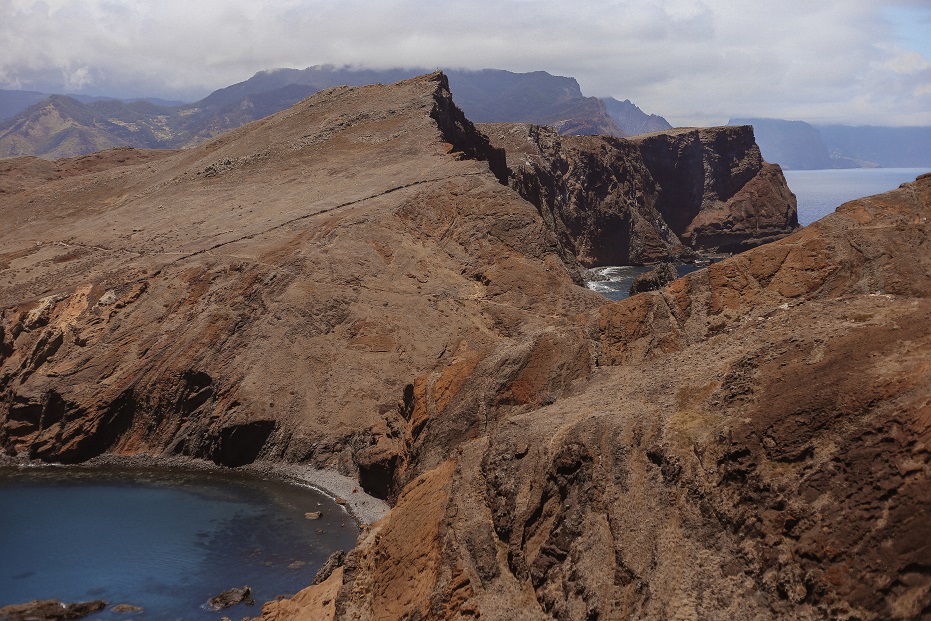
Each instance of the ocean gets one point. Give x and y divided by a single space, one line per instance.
820 192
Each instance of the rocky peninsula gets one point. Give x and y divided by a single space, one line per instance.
366 283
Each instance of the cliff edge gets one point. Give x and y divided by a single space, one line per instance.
669 195
272 294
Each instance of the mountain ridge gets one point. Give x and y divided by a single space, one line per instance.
486 95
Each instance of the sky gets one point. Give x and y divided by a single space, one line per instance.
695 62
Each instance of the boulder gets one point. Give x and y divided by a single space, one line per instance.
49 610
230 597
655 279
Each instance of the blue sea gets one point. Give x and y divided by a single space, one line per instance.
164 540
820 192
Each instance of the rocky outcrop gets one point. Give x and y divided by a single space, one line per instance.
655 279
664 196
755 445
230 597
716 192
50 610
274 293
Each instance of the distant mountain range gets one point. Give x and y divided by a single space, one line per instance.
633 119
801 146
59 126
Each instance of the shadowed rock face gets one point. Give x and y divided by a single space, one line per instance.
349 284
755 444
656 197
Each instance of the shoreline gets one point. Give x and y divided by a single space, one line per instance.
362 507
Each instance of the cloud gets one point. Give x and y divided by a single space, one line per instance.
694 61
77 79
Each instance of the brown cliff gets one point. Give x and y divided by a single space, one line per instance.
755 444
269 294
656 197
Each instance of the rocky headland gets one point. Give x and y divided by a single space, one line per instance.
667 196
363 283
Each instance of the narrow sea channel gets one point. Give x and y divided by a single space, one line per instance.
165 540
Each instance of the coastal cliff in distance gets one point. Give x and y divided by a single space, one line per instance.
355 284
798 145
665 196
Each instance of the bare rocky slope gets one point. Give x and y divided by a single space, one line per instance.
272 293
752 442
351 284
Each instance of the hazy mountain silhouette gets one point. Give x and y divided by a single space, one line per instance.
802 146
60 126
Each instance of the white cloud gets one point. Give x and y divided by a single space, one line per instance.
77 79
906 62
694 61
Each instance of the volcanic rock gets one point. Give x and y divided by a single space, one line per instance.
755 444
656 197
279 292
350 284
655 279
230 597
49 610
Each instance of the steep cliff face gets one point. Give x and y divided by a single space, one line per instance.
271 293
663 196
716 192
756 444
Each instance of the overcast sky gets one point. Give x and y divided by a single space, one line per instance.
696 62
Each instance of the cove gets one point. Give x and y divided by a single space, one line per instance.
165 540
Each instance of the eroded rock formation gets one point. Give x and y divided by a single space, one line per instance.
349 284
272 293
656 197
753 445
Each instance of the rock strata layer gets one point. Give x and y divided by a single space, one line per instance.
657 197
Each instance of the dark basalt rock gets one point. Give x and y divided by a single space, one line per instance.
666 196
655 279
229 598
49 610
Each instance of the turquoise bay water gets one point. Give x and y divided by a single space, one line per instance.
820 192
163 540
